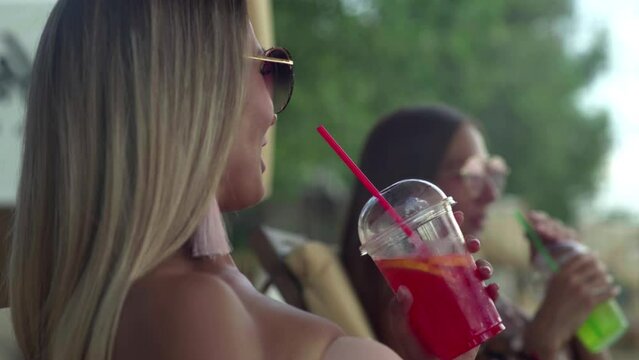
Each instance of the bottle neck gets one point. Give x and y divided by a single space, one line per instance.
561 252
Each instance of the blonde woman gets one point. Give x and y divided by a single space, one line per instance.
140 113
145 121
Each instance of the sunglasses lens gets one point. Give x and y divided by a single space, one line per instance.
474 184
280 78
479 172
498 172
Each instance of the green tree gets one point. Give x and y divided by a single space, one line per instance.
507 63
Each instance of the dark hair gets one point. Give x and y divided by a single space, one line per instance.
407 144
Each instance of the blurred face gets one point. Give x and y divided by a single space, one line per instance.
241 184
472 178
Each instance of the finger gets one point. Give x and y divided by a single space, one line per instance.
596 277
588 289
484 269
566 232
493 291
473 244
542 228
403 299
579 262
459 216
572 234
555 229
398 323
470 355
535 216
596 266
602 294
590 265
547 227
548 232
599 281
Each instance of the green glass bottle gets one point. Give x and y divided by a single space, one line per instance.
604 326
606 323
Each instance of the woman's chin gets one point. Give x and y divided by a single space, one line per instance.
240 200
472 230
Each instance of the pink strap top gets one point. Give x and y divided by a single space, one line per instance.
210 238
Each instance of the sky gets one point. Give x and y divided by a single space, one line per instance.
616 90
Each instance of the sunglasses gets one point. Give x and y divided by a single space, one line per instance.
277 70
478 171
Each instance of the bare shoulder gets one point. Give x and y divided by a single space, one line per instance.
347 347
188 316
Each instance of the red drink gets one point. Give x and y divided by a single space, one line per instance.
451 312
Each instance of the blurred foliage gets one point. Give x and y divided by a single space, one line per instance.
509 64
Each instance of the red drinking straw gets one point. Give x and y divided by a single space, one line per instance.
363 179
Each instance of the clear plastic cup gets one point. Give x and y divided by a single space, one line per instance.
451 312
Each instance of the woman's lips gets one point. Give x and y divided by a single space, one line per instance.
262 164
477 221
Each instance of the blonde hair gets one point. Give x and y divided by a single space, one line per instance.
132 108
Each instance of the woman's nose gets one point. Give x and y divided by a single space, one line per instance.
489 192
